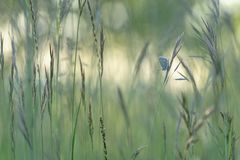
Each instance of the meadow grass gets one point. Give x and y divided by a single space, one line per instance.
44 116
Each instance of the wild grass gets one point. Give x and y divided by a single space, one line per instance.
47 114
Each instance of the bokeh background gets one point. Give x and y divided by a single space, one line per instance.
142 115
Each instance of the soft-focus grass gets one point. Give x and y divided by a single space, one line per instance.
80 114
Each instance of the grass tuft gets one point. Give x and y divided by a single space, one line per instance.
100 68
83 88
94 32
103 133
11 104
34 24
90 122
177 48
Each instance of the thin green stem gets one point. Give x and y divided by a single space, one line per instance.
74 81
74 132
75 56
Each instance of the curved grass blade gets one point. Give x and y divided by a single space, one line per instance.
176 50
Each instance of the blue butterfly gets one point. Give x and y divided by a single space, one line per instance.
164 63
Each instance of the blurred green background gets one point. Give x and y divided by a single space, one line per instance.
143 117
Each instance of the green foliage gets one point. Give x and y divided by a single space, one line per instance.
67 107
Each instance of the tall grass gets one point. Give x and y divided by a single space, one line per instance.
47 114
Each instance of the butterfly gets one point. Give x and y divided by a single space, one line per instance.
164 63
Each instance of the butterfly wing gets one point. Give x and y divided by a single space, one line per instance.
164 63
